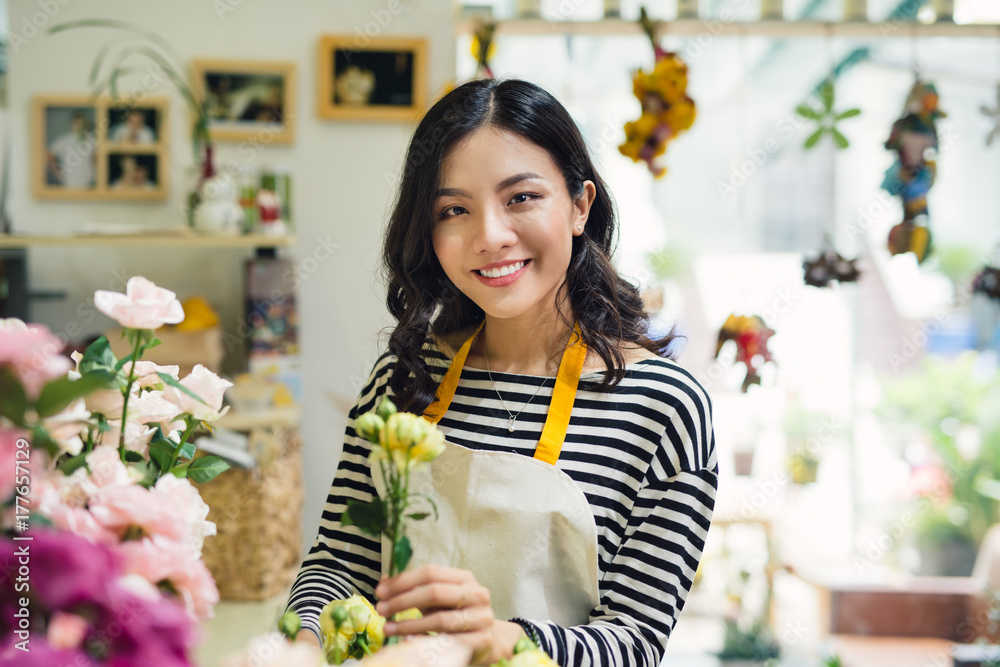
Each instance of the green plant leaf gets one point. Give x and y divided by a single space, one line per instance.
418 516
181 470
828 95
70 465
814 138
59 393
187 451
807 111
150 473
370 517
850 113
167 379
839 138
206 468
402 552
133 457
13 400
98 356
161 451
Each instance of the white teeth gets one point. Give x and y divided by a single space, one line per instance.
501 271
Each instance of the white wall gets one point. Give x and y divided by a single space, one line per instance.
342 177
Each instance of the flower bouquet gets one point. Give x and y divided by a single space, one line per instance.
99 512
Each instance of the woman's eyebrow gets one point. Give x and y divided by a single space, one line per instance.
503 185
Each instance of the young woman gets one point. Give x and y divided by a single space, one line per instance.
577 486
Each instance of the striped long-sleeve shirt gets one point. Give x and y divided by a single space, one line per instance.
644 456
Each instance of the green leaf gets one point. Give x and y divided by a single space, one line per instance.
402 551
13 400
161 451
206 469
187 451
168 379
814 138
850 113
807 111
839 138
98 356
828 94
418 516
56 395
433 504
181 470
70 465
133 457
151 344
150 473
370 517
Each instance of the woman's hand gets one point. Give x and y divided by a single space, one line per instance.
451 601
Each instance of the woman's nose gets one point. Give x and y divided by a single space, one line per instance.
493 232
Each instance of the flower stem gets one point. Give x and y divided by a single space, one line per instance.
135 336
192 424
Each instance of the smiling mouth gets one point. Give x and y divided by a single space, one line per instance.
501 271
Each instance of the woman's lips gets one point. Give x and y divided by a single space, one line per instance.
502 281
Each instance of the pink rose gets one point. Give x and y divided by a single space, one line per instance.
143 306
188 508
33 353
146 373
108 402
107 469
137 436
154 407
65 427
159 559
207 386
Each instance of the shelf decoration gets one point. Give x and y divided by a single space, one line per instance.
483 48
826 118
827 266
988 282
914 137
994 116
667 110
751 335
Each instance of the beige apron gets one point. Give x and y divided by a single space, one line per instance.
521 525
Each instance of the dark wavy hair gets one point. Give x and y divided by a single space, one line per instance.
424 300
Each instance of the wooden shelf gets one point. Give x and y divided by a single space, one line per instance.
186 240
715 27
245 421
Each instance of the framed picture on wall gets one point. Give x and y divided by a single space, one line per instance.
248 100
386 79
89 148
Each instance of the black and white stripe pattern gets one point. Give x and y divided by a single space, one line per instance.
644 456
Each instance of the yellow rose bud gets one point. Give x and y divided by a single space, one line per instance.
386 408
429 448
289 624
369 426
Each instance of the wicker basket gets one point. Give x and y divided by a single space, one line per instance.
256 551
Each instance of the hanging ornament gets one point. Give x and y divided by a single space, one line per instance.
826 118
751 336
482 49
828 265
666 108
988 282
914 137
994 116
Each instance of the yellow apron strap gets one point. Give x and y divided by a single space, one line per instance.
446 390
563 396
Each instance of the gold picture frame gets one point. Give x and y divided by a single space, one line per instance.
99 149
248 100
384 80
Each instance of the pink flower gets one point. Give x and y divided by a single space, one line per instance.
66 631
154 407
8 460
33 353
108 402
146 373
65 427
188 507
207 386
143 306
137 436
107 469
160 559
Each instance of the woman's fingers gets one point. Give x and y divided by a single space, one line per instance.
421 575
458 622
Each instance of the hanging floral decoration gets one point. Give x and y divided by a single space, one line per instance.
826 118
483 48
666 108
827 266
988 282
914 137
994 116
751 335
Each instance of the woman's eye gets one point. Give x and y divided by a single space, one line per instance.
522 197
452 211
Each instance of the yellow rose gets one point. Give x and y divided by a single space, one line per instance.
369 426
410 439
348 624
533 658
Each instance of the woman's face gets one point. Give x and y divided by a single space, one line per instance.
505 223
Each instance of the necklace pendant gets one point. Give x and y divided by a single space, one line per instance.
510 424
